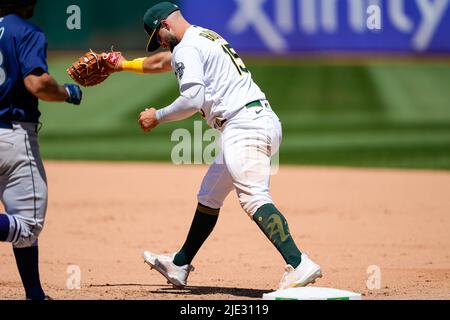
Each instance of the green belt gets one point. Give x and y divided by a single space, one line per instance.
256 103
253 104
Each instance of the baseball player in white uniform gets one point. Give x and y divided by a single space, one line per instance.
214 81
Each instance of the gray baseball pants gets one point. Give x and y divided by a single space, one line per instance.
23 184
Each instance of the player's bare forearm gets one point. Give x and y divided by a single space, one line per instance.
45 87
157 63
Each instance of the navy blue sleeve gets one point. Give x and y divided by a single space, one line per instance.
33 52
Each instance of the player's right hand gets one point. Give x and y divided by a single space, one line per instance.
75 94
148 119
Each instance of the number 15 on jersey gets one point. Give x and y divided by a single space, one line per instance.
240 66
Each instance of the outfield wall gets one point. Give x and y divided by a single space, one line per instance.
100 24
290 26
261 26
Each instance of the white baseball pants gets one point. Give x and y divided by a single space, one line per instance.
249 140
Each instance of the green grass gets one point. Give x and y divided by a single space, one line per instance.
371 115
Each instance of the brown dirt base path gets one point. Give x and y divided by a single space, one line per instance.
102 216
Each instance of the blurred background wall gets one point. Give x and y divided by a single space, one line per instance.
264 26
340 102
285 26
103 23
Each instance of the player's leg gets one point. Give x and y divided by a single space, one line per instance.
24 195
5 224
216 185
248 154
4 227
6 148
202 225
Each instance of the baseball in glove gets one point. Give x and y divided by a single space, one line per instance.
93 68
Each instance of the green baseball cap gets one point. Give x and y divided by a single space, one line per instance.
152 21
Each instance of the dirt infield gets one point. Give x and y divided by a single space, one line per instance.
102 216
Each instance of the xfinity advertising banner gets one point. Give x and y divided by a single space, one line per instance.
293 26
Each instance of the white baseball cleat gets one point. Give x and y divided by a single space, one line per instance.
307 272
175 275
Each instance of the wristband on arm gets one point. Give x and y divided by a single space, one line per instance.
136 65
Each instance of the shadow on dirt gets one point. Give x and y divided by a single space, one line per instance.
196 290
192 290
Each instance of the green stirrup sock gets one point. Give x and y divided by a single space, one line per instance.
276 229
203 224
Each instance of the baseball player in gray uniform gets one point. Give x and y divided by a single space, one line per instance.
24 79
214 81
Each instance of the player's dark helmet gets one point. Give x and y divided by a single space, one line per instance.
23 8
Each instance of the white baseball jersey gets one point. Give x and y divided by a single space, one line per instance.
204 57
